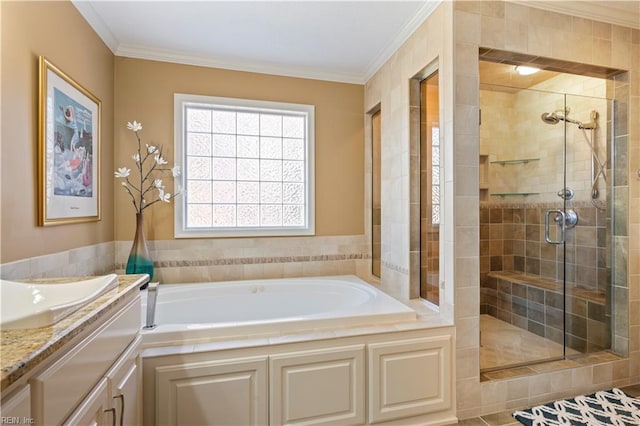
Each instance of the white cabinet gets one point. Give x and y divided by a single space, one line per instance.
94 409
115 399
214 393
89 379
409 378
402 378
18 406
125 387
318 387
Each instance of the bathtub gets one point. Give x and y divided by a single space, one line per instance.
198 312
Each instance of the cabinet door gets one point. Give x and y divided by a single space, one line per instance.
60 388
17 406
125 384
409 378
94 409
229 392
318 387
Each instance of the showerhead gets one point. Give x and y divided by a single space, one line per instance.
558 115
550 118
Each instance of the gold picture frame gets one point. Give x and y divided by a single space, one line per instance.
69 126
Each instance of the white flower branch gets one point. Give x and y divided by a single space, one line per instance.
148 172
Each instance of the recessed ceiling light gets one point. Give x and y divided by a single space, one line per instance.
522 70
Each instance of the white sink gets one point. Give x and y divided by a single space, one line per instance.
27 305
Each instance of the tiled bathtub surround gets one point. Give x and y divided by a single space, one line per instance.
89 260
180 261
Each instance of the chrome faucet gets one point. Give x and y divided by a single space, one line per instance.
152 296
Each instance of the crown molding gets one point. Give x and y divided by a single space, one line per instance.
91 16
422 14
177 57
593 10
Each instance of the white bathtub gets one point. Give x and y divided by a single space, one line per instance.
209 311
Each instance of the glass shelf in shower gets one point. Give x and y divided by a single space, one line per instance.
515 161
511 194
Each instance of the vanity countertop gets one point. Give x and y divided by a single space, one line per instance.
22 350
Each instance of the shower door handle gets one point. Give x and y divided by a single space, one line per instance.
562 222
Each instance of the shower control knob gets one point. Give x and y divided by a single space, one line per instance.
566 193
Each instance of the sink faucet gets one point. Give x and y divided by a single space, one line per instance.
152 296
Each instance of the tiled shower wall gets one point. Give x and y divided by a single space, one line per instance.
512 238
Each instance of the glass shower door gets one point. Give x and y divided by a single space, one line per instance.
525 227
587 277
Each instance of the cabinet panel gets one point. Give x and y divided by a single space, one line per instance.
61 387
409 378
227 392
319 387
18 406
125 386
94 409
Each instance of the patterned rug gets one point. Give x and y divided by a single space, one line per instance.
610 407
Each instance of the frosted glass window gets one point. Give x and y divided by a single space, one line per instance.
224 122
247 167
248 123
271 148
224 145
271 170
199 191
198 120
293 149
199 215
270 125
248 146
199 144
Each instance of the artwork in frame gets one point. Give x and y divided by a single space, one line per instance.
68 149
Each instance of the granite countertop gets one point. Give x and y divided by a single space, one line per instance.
22 350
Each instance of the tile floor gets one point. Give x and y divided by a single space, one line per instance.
505 419
503 344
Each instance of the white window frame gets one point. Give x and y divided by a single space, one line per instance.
181 101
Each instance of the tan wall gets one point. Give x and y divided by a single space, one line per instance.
57 31
144 92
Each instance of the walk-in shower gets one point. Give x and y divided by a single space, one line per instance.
545 219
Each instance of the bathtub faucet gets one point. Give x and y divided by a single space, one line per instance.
152 296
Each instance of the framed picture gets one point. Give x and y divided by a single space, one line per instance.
68 149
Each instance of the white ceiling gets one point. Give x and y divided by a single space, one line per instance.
331 40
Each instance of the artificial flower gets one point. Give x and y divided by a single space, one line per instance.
149 165
161 161
135 126
122 172
165 197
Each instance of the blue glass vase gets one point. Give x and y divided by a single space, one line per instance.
139 261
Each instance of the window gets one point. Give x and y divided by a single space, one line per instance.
247 167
